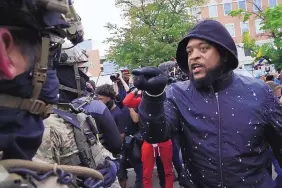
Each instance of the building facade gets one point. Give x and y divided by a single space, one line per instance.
220 9
94 68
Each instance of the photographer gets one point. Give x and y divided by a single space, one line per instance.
120 82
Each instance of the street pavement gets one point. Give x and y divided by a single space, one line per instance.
131 179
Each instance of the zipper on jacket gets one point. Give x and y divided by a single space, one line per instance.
219 140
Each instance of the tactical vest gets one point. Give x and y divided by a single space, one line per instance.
32 104
81 103
91 152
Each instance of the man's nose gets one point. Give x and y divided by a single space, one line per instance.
195 54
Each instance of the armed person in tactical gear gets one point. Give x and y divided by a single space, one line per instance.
30 34
26 33
108 133
71 137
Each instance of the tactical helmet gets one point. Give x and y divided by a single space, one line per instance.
73 55
41 15
76 57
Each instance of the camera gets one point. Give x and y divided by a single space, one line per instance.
114 77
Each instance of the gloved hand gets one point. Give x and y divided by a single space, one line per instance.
109 171
150 79
92 183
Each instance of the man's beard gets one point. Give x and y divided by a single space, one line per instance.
211 76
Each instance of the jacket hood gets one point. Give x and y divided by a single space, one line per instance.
210 31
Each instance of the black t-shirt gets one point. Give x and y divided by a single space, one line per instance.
119 119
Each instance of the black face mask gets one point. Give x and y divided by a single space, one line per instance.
66 77
110 104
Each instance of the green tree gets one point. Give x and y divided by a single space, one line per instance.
152 32
271 23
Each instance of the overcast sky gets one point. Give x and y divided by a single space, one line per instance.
94 15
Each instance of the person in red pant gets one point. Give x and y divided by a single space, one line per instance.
149 153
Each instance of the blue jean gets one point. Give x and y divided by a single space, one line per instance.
138 171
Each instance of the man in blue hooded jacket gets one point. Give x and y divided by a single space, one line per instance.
225 121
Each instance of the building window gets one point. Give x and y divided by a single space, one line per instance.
257 5
227 7
213 11
231 29
244 27
242 4
272 3
258 26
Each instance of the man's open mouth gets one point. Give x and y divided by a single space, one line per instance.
196 68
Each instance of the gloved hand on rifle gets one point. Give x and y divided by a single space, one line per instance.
150 79
109 170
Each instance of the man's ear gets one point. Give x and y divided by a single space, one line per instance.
7 67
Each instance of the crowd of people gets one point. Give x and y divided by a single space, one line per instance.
274 80
123 100
57 129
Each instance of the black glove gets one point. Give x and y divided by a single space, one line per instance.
150 79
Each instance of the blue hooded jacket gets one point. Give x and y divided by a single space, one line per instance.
224 135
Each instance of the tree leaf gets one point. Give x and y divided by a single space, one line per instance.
153 32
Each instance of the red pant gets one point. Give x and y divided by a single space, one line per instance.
164 150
